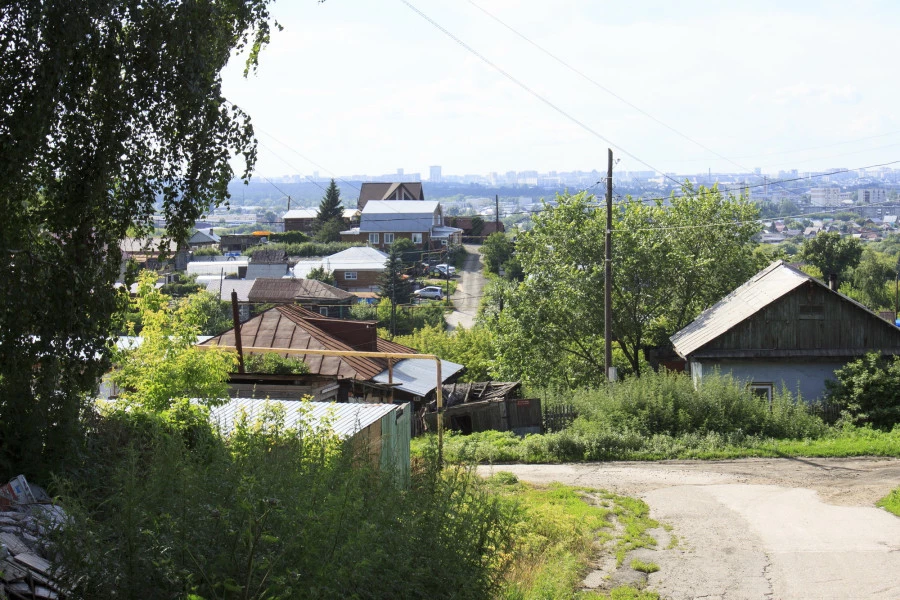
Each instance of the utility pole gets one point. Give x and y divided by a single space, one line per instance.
496 212
607 274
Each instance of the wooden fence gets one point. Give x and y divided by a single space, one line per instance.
558 417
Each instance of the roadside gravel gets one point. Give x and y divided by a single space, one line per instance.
758 528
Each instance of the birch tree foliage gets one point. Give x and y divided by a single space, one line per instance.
671 260
111 110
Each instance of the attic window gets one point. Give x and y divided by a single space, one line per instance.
812 312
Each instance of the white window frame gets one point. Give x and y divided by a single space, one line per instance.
373 238
763 389
388 238
323 310
350 275
417 238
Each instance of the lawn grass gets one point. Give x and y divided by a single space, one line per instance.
891 502
558 531
571 446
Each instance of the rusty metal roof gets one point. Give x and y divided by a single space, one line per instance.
342 418
295 290
294 327
767 286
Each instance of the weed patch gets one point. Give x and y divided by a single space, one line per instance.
891 502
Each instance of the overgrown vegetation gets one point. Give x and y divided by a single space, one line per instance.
891 502
165 508
408 318
306 249
867 391
274 364
558 530
469 347
662 416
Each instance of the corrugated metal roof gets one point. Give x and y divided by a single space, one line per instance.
241 286
418 376
295 290
295 327
767 286
344 419
358 258
398 216
267 271
301 213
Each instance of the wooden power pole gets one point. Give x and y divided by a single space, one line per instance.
607 274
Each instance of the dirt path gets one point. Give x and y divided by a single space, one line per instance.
758 528
468 292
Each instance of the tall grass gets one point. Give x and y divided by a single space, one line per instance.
164 508
663 416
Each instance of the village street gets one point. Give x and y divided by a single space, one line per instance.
468 293
791 528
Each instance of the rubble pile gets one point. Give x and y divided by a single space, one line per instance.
25 514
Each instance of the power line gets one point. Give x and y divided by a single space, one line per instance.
532 92
603 88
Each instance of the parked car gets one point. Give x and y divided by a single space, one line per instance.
441 270
431 291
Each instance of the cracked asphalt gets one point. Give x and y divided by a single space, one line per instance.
758 528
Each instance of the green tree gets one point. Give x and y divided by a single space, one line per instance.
111 109
671 260
394 285
321 274
472 348
330 231
409 254
497 250
832 254
330 215
874 277
868 390
167 365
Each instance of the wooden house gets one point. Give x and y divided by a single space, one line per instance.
389 191
310 294
783 327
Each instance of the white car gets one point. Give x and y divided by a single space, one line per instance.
442 268
431 291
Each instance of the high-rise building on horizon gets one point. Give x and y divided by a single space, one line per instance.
434 174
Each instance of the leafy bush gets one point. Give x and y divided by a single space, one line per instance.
470 347
288 237
274 364
409 318
867 390
270 512
669 403
207 251
306 249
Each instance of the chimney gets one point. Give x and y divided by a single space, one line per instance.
832 282
210 231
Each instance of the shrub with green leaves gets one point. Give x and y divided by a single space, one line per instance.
867 391
274 364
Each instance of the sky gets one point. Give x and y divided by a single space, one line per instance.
371 86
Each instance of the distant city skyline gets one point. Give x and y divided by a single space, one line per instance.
357 87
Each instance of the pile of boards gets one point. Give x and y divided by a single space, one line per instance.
26 513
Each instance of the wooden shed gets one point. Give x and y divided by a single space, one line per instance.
489 405
783 327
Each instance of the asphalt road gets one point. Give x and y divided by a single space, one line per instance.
758 528
468 292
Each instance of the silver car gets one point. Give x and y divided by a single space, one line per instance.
432 291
